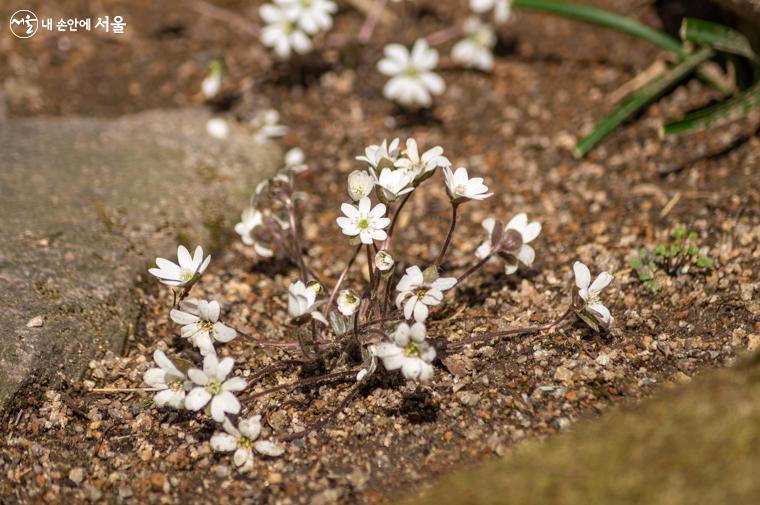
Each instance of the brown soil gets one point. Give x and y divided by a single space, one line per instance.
515 127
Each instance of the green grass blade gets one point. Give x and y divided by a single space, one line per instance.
720 37
636 102
724 112
604 18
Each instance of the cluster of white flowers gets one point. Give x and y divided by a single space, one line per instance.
290 24
412 80
392 337
210 387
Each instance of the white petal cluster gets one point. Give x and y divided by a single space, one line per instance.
302 300
212 83
364 221
212 388
282 32
513 242
250 220
461 187
266 125
360 184
474 50
589 293
243 440
421 167
412 80
409 351
311 16
169 379
184 273
218 128
501 8
348 302
384 260
380 156
418 291
201 325
392 184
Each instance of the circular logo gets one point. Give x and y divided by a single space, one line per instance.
23 24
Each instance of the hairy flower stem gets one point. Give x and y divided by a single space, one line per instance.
297 252
477 266
365 32
387 243
334 291
323 422
445 35
446 243
485 337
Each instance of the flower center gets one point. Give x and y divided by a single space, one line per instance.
481 38
412 71
245 443
214 387
186 274
512 240
177 385
206 326
460 189
412 350
364 223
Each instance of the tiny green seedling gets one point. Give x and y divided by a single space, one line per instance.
671 258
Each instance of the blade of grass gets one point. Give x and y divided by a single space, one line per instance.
720 37
721 113
620 23
642 98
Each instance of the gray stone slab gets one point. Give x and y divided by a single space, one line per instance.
85 206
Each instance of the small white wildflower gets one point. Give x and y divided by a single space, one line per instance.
409 351
589 293
511 243
188 270
474 51
393 183
218 128
312 15
212 83
348 302
421 167
266 125
501 8
412 80
212 388
381 156
360 184
203 328
418 291
281 32
302 300
461 187
169 379
383 260
250 220
243 440
294 160
365 221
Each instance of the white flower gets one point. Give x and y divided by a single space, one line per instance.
589 292
412 80
249 221
348 302
169 379
212 83
408 351
512 243
302 301
281 32
212 387
266 125
501 8
312 15
383 260
381 156
418 291
474 50
189 268
460 187
393 184
366 222
243 440
294 160
360 184
218 128
203 328
422 167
